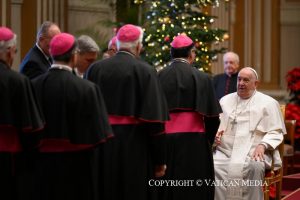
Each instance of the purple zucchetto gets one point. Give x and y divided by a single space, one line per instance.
61 44
181 41
6 34
128 33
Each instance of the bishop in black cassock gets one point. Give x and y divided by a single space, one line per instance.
76 126
20 121
194 112
137 112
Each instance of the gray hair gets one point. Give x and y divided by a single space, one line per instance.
87 44
44 29
236 57
4 45
131 45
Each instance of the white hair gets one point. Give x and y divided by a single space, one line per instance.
234 55
5 45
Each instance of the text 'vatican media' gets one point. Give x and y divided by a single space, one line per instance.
206 182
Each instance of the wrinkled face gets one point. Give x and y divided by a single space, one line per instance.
230 64
44 41
84 60
246 83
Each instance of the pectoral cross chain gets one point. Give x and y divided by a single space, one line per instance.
233 123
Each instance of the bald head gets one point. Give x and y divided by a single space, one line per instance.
231 63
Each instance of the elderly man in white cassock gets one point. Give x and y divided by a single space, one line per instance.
251 128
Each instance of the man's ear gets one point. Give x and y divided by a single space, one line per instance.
10 55
138 49
256 83
190 57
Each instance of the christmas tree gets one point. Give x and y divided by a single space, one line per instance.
168 18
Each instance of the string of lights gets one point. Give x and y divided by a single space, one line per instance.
168 18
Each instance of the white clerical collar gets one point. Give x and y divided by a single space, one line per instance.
63 67
80 75
47 57
180 60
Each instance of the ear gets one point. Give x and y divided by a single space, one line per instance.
256 83
139 48
190 57
10 55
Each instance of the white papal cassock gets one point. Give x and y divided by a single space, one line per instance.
246 123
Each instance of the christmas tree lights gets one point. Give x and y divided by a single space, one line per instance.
168 18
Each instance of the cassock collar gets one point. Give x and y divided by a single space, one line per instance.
122 51
183 60
77 73
63 67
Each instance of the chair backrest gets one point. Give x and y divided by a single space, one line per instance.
280 147
290 126
282 109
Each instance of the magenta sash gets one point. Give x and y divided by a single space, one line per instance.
185 122
9 139
122 120
61 145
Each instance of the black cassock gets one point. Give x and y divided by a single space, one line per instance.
137 111
20 123
194 112
224 84
76 126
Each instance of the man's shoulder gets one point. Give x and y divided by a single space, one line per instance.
228 97
13 76
33 58
146 67
82 84
33 54
201 73
218 76
266 98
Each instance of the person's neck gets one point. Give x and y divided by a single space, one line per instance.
63 63
5 63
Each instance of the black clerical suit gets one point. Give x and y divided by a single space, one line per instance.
224 84
35 63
